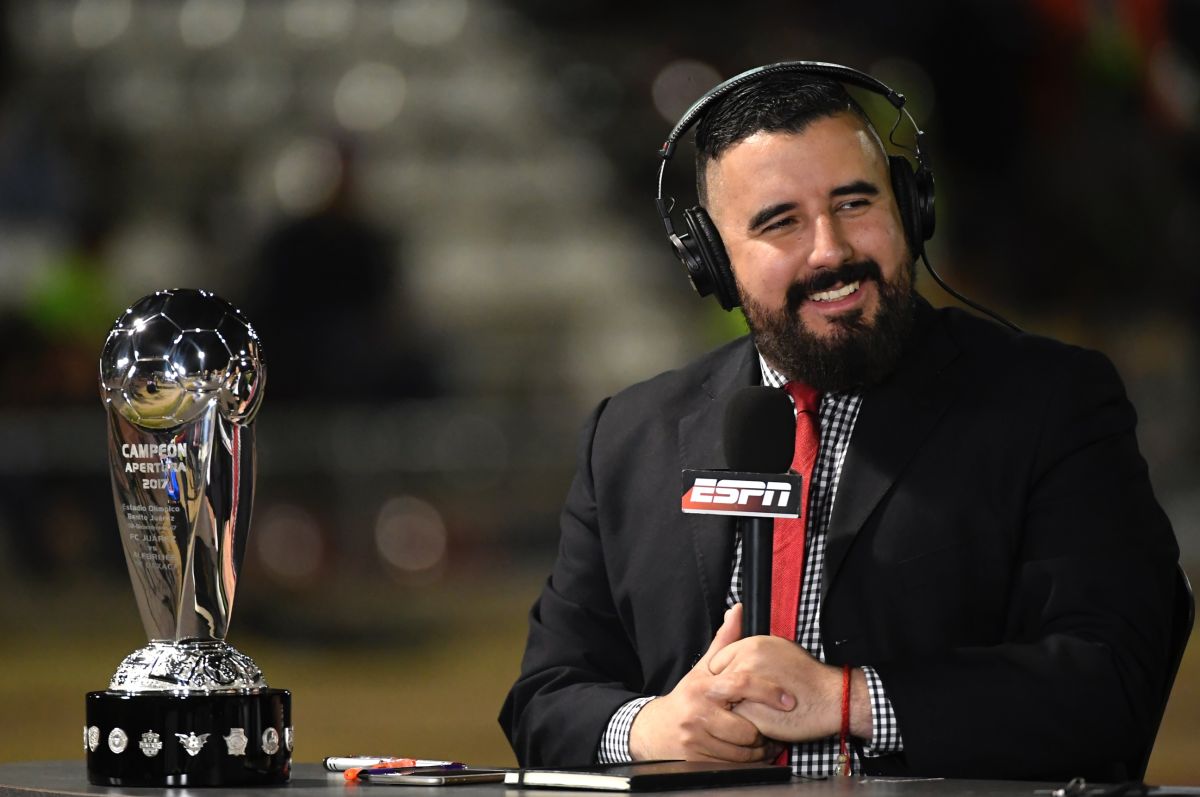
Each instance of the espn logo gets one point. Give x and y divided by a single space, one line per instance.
722 492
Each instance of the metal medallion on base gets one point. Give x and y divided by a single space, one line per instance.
182 378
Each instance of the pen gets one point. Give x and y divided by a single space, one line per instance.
367 774
342 763
364 773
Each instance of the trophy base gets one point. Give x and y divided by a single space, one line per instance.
196 739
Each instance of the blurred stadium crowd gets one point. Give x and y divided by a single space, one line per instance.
439 216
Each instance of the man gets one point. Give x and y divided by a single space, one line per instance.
984 554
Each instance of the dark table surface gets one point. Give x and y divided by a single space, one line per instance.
311 780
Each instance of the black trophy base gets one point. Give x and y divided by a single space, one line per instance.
163 739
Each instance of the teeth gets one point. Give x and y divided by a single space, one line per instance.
833 296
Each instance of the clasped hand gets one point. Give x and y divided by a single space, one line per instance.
741 700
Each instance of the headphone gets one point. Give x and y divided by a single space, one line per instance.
700 248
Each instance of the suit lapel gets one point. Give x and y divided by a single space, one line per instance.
700 446
895 419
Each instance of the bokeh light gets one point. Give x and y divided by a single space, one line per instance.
679 84
307 173
210 23
96 23
319 21
410 535
428 22
288 541
369 96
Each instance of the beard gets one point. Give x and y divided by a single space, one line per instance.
857 352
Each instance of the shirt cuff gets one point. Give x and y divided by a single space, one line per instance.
885 733
614 745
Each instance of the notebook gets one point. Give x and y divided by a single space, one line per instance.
649 776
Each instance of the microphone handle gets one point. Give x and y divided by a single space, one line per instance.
758 535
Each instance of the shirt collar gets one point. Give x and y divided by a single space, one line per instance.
773 378
770 377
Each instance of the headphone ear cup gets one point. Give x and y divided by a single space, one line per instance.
923 180
904 187
712 256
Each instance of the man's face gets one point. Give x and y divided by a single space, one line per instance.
816 244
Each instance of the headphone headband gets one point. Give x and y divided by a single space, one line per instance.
842 74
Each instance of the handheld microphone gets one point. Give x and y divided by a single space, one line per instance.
759 438
760 430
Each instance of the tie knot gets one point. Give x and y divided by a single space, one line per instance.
805 397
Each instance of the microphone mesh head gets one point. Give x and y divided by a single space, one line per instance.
760 430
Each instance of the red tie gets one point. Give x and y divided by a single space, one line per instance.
787 557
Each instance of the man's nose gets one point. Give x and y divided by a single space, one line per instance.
829 246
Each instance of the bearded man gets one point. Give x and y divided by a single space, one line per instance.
987 575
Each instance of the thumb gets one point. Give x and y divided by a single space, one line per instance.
729 632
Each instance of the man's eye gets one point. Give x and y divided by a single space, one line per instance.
778 224
853 204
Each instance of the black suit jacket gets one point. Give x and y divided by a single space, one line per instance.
995 552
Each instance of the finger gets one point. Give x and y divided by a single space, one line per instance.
729 737
732 688
752 651
721 659
726 726
718 750
729 632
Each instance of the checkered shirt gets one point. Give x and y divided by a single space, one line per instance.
817 758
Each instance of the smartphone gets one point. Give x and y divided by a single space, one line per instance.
433 776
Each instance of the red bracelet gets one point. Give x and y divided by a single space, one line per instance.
844 755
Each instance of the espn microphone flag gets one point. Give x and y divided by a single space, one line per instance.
741 494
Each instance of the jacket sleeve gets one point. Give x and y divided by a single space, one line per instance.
1079 678
579 664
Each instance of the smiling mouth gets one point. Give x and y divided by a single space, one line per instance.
835 290
835 294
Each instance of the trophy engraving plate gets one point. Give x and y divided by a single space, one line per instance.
236 741
150 744
182 376
192 743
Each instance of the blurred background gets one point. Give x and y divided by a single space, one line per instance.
439 216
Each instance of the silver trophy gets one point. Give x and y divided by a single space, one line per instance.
182 377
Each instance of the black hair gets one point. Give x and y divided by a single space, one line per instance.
780 102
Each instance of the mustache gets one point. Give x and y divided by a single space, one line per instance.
826 279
